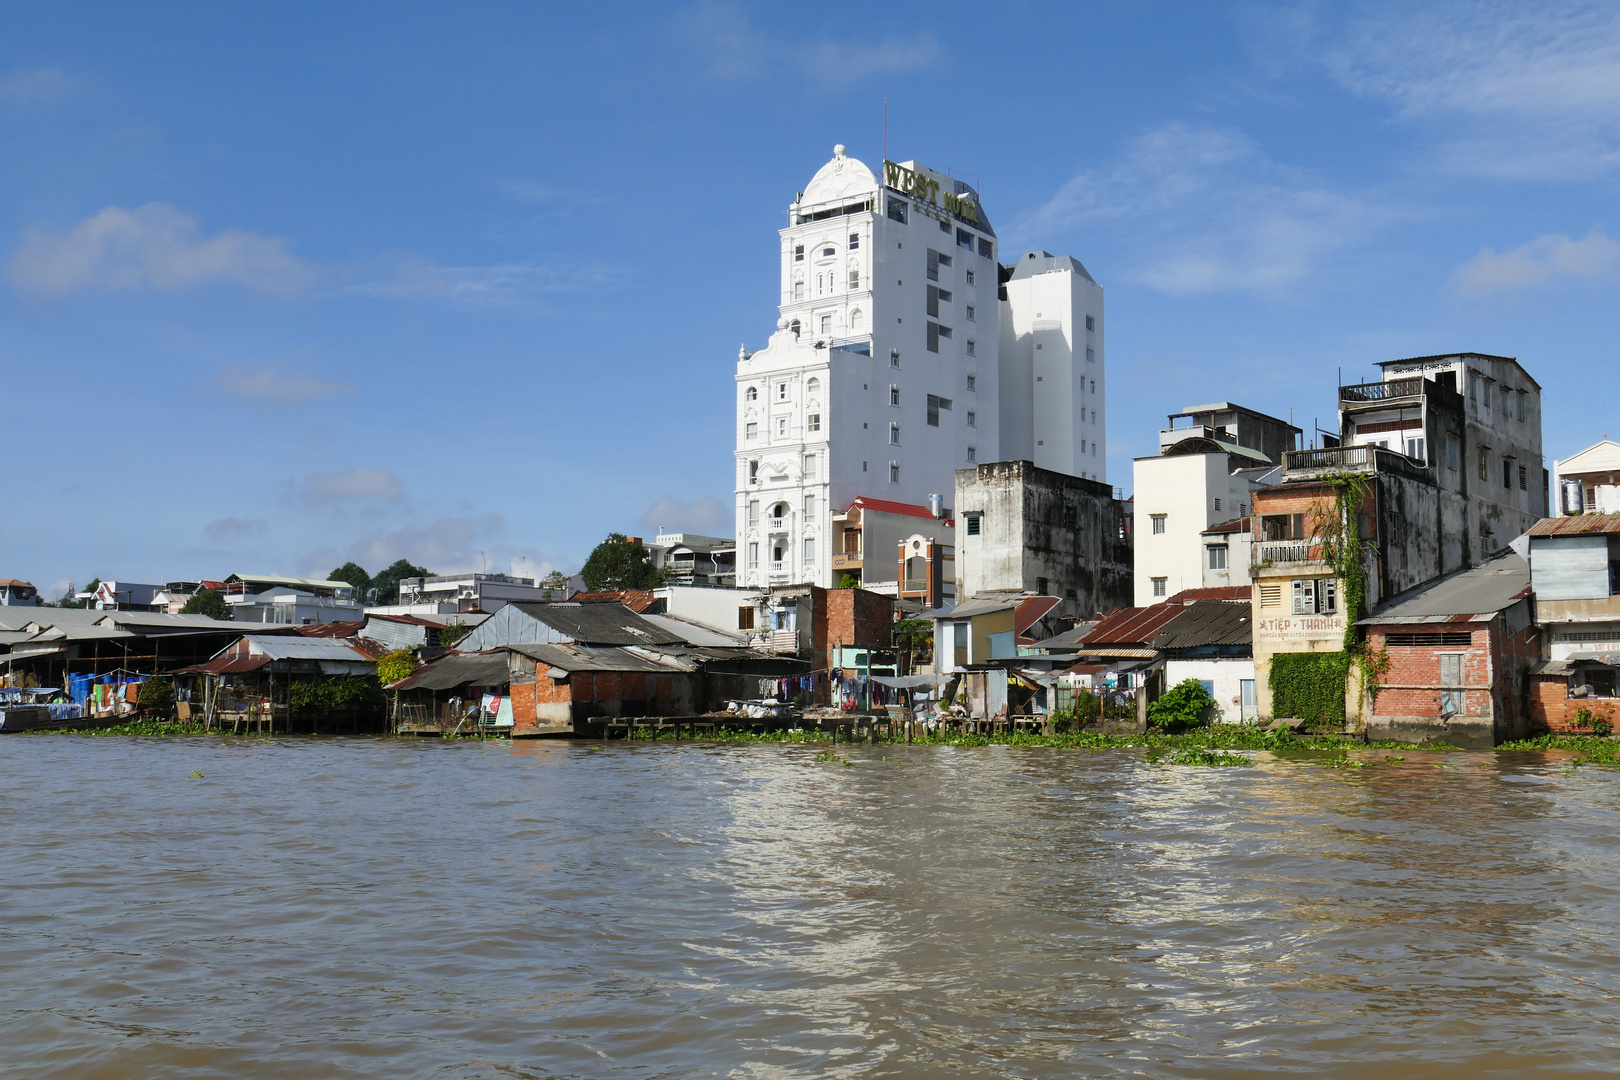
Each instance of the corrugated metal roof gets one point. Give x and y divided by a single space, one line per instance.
298 647
693 634
884 506
1552 668
331 629
1482 590
458 669
1229 593
271 579
587 658
637 600
1580 525
226 665
1032 611
975 607
1205 623
1130 626
599 624
1226 528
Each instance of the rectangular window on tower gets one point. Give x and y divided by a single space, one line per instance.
1484 464
897 210
750 431
809 507
809 466
1217 556
972 347
933 337
1159 584
1158 524
973 524
826 324
753 554
1524 478
745 617
1091 355
972 382
984 248
894 434
854 280
935 404
854 241
1091 324
970 279
753 512
809 549
972 418
964 239
798 253
894 472
970 317
973 453
933 301
812 422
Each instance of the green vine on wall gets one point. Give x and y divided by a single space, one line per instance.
1338 533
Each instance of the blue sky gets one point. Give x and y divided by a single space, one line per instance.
466 283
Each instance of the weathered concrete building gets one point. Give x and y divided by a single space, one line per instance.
1473 423
1029 530
867 534
1460 652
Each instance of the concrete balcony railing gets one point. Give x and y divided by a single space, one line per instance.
847 560
1308 464
1284 553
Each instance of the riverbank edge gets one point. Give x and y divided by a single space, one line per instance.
1589 749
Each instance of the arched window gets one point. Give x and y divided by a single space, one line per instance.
779 511
794 326
855 319
751 394
813 386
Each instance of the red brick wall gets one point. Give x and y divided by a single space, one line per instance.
1411 685
857 619
1553 711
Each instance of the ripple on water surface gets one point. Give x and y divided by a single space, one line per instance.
343 908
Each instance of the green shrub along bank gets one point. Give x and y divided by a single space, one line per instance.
1309 686
1185 705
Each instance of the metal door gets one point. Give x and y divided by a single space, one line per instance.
1246 690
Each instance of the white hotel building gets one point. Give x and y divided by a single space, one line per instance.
896 361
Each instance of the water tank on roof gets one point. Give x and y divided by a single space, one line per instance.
1574 498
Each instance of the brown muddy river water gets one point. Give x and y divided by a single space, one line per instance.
379 908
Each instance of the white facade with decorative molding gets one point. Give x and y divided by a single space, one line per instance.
882 377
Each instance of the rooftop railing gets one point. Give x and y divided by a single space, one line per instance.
1382 391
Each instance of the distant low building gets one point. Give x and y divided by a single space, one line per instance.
122 596
1588 482
693 559
289 600
447 593
1575 573
14 593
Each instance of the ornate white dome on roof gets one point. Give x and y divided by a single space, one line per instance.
841 178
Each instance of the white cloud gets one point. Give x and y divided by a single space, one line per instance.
153 247
272 385
1516 90
446 545
221 530
732 48
1549 256
363 484
707 516
33 84
1207 211
410 277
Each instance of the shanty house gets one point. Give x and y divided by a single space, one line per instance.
1575 572
1211 642
1460 650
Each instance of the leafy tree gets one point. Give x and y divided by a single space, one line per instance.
849 581
70 596
619 563
394 666
387 581
355 575
452 633
155 696
1182 706
207 602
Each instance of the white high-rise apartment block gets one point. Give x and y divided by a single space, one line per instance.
1051 358
883 376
